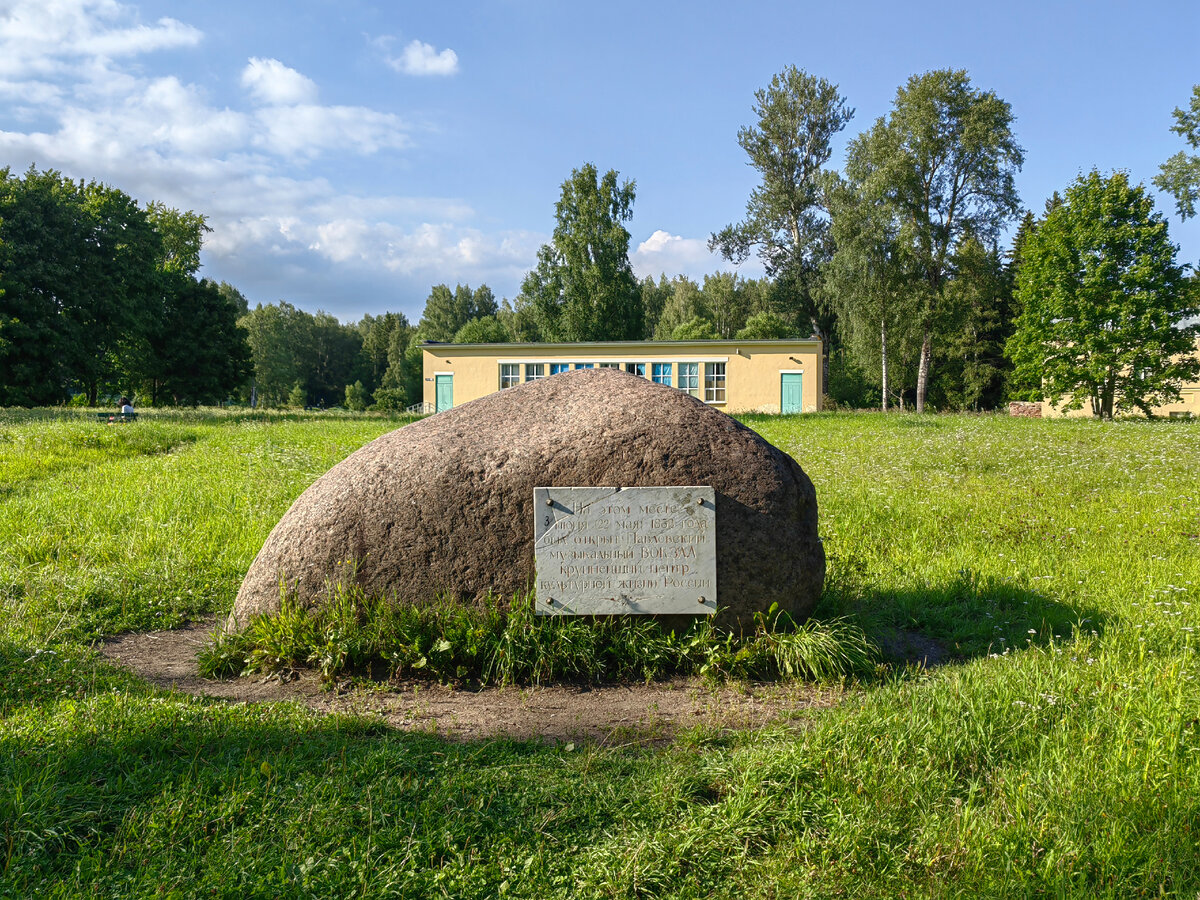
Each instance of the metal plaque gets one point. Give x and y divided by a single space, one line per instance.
603 551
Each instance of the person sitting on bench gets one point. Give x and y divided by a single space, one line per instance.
126 406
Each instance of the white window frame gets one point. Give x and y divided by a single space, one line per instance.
510 375
654 376
710 393
535 376
693 376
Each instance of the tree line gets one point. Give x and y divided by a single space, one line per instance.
99 295
894 262
304 359
897 264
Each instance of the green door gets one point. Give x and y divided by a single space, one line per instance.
445 392
791 392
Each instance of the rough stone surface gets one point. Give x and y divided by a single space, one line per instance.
445 505
1025 409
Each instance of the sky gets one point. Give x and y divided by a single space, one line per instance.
349 155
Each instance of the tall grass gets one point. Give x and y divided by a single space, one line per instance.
1057 753
507 643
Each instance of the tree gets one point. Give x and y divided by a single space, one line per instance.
356 397
697 329
866 279
1179 176
402 385
764 326
1104 302
981 321
685 302
583 287
182 235
447 311
798 117
204 354
235 298
42 241
335 350
1018 386
115 310
485 330
193 351
97 293
943 164
520 319
728 302
654 300
280 337
376 333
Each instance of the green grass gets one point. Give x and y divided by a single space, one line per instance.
490 645
1057 753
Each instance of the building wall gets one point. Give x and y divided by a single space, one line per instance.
752 368
1188 404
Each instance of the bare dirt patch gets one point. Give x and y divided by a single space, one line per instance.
608 714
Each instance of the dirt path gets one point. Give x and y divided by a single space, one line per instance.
621 714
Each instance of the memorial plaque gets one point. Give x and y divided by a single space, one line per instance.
625 551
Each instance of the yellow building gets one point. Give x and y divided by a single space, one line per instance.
1188 405
734 376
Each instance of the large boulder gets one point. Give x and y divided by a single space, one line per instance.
445 505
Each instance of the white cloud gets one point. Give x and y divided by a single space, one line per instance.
167 34
270 81
442 250
292 123
307 130
79 95
419 58
40 37
672 254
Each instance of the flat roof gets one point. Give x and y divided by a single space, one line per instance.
619 345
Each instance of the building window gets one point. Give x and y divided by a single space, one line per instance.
636 369
689 378
510 375
555 368
534 371
662 373
585 365
714 382
608 365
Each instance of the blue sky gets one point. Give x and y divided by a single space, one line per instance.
349 155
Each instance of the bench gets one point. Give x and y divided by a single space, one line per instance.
116 417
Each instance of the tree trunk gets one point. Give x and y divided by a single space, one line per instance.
883 367
1110 390
923 369
91 392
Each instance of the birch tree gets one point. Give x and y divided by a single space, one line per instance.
798 117
943 163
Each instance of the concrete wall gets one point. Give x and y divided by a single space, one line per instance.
752 368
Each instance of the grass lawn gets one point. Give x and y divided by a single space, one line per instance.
1058 753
